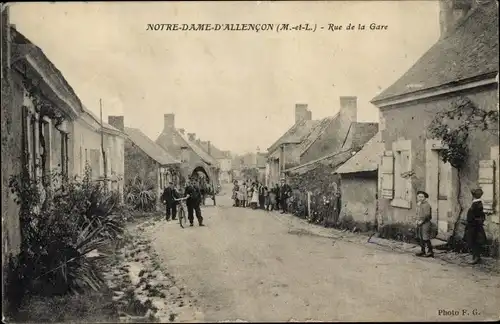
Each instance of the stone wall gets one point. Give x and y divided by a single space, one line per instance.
11 121
411 122
138 163
359 196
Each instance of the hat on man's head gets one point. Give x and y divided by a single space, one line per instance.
477 192
426 195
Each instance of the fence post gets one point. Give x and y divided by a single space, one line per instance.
309 204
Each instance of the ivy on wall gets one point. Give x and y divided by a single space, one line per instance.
454 126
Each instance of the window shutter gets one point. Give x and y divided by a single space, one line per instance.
387 174
95 160
108 162
405 169
487 183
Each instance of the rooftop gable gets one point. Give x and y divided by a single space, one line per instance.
471 51
153 150
367 159
24 49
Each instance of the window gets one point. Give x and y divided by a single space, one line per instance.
395 174
95 163
82 162
64 155
486 180
30 141
45 149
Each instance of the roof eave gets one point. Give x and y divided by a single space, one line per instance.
455 86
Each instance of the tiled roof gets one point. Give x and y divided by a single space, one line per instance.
316 131
304 133
198 150
297 133
19 38
470 51
366 159
358 135
155 151
97 120
334 160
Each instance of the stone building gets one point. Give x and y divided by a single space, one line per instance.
184 147
359 182
310 141
88 150
462 66
39 109
149 161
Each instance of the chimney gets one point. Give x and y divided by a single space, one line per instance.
349 107
169 121
192 136
208 147
451 12
116 122
182 130
301 113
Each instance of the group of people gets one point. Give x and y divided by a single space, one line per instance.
193 195
258 196
474 236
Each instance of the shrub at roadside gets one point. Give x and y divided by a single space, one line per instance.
141 195
60 226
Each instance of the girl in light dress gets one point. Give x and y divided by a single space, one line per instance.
255 197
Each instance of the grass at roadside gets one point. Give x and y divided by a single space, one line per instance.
90 307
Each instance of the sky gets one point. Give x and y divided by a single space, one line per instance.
237 89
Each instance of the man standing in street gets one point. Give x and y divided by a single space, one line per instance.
168 197
285 193
193 203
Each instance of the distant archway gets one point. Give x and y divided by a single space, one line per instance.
200 173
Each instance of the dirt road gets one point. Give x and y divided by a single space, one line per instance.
249 265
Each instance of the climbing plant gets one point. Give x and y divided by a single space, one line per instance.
42 106
453 127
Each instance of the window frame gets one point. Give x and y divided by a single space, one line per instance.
402 183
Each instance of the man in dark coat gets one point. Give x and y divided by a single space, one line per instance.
168 197
193 203
284 193
474 228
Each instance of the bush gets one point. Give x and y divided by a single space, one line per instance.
141 194
60 225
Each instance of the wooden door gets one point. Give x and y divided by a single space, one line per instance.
444 200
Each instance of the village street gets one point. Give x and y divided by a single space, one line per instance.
257 266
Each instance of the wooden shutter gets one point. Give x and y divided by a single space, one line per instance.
108 162
387 174
95 162
406 180
487 183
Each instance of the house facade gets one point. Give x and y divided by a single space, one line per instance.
39 110
88 151
226 167
148 161
359 183
184 147
462 67
308 141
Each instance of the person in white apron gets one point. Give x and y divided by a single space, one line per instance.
255 197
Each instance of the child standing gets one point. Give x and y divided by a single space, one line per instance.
474 228
424 228
243 195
